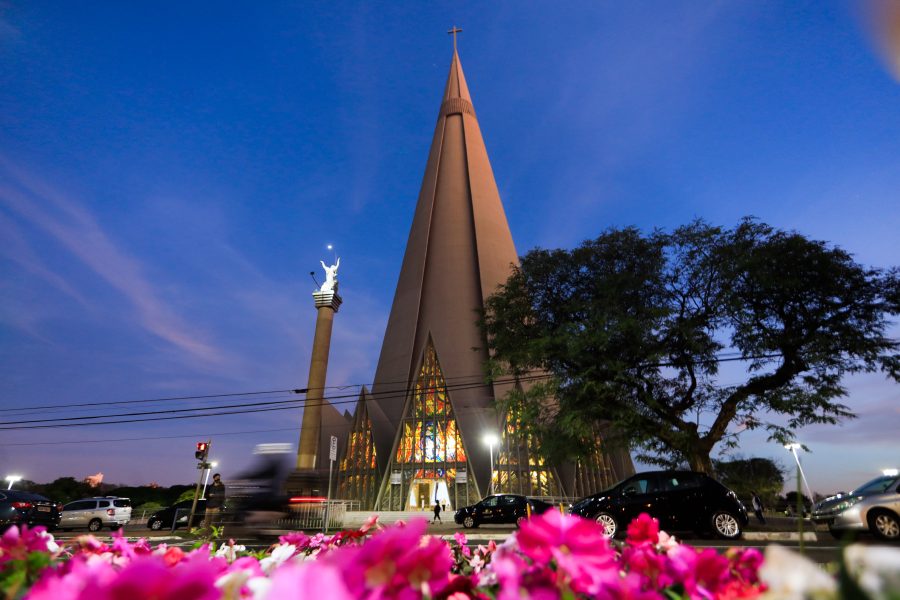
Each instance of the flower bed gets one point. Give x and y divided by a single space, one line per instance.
551 556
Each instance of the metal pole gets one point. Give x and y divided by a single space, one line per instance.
197 489
328 496
205 481
802 474
491 483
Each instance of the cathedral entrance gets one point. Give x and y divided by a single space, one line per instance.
424 493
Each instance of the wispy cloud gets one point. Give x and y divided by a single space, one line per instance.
71 225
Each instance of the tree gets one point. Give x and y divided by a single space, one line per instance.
744 476
634 330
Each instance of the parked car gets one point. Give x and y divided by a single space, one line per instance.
680 500
95 513
162 519
873 506
499 508
18 508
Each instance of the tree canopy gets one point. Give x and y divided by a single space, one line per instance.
637 329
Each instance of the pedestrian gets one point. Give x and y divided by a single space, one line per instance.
215 501
758 507
437 513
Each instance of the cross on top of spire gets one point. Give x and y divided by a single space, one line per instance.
453 32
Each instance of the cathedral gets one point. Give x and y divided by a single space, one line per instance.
429 431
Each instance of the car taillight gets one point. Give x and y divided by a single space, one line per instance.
21 504
111 512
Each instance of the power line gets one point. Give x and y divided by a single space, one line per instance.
294 403
22 425
155 437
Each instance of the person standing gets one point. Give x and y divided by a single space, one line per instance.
758 507
437 513
215 501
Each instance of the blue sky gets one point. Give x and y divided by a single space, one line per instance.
171 172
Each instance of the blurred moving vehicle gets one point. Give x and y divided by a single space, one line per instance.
873 506
163 519
499 508
94 513
680 500
18 508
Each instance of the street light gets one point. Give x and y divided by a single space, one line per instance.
890 472
12 479
793 447
490 439
212 466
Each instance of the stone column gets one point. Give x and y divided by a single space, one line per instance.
327 304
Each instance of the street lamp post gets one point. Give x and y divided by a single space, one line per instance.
12 479
491 439
801 506
793 447
211 466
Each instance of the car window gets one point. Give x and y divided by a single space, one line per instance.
876 486
80 505
492 501
681 481
639 485
122 502
507 500
103 504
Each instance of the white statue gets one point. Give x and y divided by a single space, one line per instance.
330 284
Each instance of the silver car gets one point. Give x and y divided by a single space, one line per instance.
874 506
94 513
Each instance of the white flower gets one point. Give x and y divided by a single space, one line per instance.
875 568
229 551
791 576
279 554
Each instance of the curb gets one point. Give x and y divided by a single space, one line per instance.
780 536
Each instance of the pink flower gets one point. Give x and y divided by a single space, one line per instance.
296 538
173 556
17 543
395 562
642 530
312 580
145 578
578 546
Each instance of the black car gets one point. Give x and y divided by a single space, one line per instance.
680 500
162 519
18 507
499 508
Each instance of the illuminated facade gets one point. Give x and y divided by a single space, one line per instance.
429 462
430 409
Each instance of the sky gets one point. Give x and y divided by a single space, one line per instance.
170 173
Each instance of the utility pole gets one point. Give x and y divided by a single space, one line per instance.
201 454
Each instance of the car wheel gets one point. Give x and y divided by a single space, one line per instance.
725 525
608 522
95 525
155 524
884 525
469 522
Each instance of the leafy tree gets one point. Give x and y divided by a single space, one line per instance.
633 330
745 476
64 489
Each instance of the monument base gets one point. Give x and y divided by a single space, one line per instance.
307 482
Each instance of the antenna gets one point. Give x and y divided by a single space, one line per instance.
313 275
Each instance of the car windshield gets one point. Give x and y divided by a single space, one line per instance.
876 486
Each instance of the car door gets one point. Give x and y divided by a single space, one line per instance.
488 509
510 508
77 514
680 504
635 496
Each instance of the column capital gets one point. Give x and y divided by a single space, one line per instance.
328 299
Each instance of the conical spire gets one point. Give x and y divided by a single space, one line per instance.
459 251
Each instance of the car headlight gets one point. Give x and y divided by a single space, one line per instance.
842 506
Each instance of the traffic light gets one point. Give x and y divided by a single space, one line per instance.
202 450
